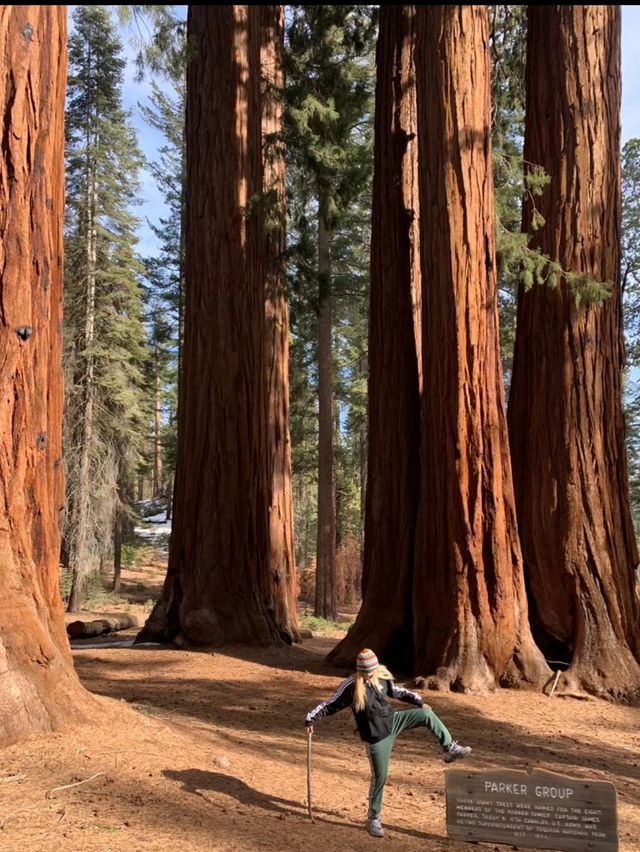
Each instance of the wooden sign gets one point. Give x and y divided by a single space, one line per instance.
537 809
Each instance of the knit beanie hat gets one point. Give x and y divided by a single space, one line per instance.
367 661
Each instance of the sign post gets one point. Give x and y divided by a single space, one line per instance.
537 809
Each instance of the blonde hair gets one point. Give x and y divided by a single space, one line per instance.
360 681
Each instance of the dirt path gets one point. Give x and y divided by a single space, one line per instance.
204 751
210 755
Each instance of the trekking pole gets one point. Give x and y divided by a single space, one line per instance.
309 736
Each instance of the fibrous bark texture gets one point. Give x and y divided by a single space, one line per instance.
565 413
38 686
218 587
471 629
384 622
282 565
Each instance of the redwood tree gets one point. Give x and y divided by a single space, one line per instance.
282 566
471 628
218 587
38 686
565 414
384 620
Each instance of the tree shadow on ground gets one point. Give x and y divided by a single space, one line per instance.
307 656
276 707
197 780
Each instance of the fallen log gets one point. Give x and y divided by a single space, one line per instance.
98 627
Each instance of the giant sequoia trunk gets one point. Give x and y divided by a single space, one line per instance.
218 587
38 686
282 565
385 618
565 415
471 627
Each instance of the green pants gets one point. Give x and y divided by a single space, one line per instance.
380 752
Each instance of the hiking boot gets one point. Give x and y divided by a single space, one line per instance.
374 827
456 752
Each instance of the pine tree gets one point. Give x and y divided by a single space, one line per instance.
329 144
105 345
630 284
164 287
507 40
163 51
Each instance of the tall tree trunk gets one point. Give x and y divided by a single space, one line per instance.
385 618
157 431
169 500
565 412
282 563
218 587
471 628
117 550
81 504
325 603
38 686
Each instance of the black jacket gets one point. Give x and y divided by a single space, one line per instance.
375 721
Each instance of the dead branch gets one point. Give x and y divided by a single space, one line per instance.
50 793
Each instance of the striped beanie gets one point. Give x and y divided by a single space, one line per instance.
367 661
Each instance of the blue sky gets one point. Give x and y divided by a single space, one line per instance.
134 93
152 207
630 72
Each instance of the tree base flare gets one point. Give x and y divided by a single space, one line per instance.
204 627
476 677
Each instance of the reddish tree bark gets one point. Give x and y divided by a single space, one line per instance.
565 413
471 629
218 587
282 565
385 618
38 686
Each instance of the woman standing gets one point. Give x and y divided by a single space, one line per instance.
366 692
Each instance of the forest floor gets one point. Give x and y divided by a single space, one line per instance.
204 751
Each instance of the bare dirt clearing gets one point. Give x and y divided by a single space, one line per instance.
203 751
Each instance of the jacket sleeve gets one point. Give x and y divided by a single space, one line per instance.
341 698
405 695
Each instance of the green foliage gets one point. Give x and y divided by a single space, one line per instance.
507 34
65 580
160 39
630 277
164 290
517 262
329 149
538 269
630 260
96 596
322 626
105 348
